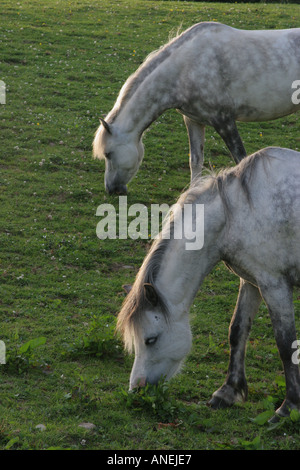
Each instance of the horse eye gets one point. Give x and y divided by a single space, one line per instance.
150 341
107 155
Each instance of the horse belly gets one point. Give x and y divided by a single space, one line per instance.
255 74
266 259
264 238
266 87
265 103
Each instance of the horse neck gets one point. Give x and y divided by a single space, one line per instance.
183 271
136 109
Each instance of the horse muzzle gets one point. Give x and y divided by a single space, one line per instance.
120 190
138 383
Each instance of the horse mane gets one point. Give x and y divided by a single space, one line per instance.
136 302
152 61
203 188
137 78
219 183
243 174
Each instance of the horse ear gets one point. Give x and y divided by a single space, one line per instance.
151 294
127 288
105 125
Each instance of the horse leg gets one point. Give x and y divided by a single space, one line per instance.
279 300
228 131
235 388
196 134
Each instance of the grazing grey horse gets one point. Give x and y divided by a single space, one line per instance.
213 75
252 223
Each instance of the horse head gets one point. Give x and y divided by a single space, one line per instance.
122 153
161 340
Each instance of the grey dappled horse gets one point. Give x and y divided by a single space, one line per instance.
213 75
252 224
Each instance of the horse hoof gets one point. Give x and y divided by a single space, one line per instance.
218 403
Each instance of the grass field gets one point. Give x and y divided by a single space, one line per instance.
63 64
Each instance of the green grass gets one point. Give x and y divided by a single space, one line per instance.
63 64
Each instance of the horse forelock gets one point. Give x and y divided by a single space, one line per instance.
99 143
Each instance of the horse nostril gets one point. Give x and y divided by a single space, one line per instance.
121 192
140 382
